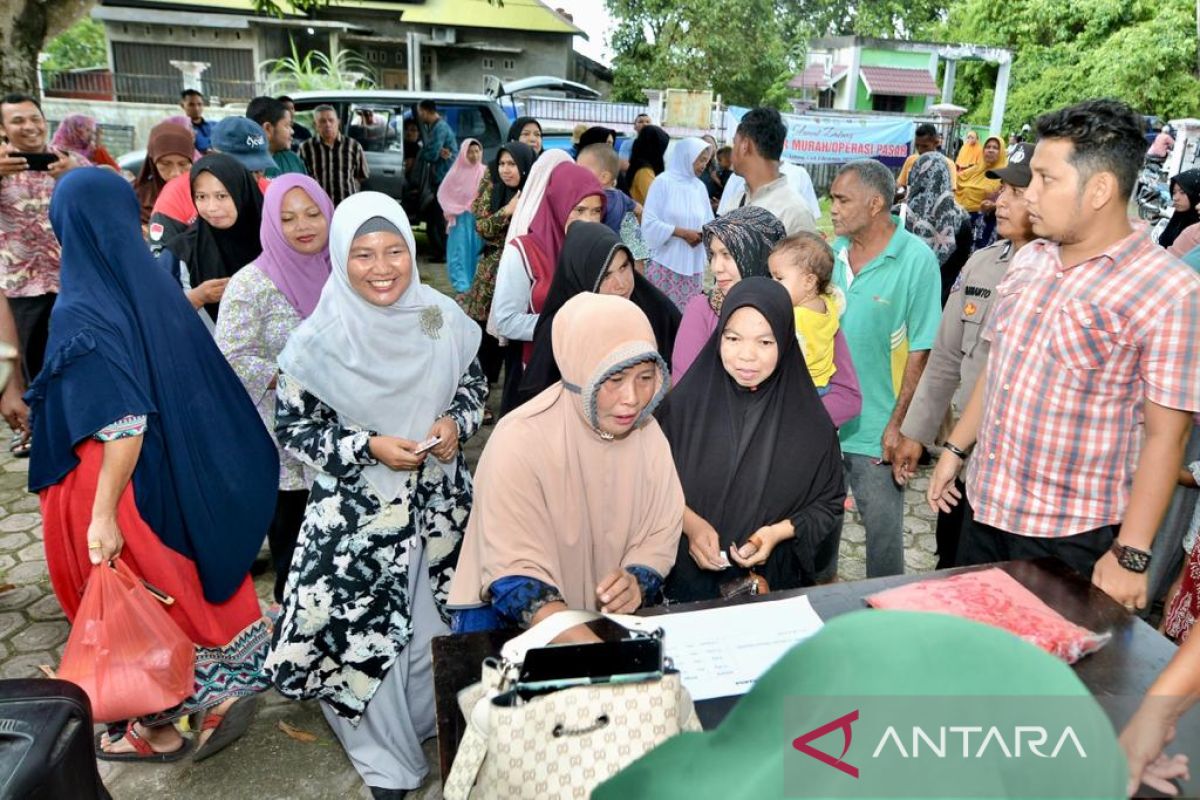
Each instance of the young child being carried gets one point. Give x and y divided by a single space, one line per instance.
803 263
622 215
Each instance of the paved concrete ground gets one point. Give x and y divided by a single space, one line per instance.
265 764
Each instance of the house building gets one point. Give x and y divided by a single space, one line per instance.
435 45
861 74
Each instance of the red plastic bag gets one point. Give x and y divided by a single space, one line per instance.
994 597
124 650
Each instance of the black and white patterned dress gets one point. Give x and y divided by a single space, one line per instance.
346 610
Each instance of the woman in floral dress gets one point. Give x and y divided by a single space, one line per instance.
499 189
383 364
262 305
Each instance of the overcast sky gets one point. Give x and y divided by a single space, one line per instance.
592 16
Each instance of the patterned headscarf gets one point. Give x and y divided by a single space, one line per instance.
932 213
748 233
76 134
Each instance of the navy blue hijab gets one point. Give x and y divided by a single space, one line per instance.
124 340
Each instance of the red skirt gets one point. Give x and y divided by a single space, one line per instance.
66 515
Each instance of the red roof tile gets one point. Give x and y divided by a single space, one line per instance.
898 81
814 78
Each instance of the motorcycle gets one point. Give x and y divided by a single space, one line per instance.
1153 193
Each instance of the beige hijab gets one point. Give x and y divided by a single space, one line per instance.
555 499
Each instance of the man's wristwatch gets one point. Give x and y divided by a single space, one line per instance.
955 449
1131 558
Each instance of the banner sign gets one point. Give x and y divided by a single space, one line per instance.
836 140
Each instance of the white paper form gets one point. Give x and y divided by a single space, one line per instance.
721 652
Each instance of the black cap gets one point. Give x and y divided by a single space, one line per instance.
1017 171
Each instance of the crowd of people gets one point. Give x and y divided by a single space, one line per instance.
695 385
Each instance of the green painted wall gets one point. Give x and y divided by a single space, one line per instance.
892 58
863 101
915 105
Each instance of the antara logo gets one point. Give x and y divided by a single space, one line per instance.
843 722
942 742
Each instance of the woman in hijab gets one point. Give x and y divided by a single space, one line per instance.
646 162
971 152
79 134
527 131
456 195
168 155
1185 195
736 423
495 203
529 259
225 236
578 504
134 419
597 134
931 212
977 191
594 259
738 245
262 305
676 208
383 365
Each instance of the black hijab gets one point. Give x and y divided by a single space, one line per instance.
587 251
597 134
514 131
523 155
749 458
213 253
1189 182
649 150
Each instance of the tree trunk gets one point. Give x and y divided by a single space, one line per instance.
25 26
1198 38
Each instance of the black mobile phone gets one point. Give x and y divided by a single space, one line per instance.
38 162
560 666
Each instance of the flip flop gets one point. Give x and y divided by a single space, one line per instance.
142 751
226 728
20 447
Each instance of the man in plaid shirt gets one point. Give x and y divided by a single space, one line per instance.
1080 424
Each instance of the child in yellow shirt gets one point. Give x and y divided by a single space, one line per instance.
803 263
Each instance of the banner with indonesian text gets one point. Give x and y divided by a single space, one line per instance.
836 140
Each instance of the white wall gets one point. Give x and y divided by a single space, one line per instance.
142 116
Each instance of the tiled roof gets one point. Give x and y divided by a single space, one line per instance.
899 81
814 78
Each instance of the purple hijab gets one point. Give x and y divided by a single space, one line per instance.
300 277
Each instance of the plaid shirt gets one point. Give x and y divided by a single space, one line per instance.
339 169
1075 353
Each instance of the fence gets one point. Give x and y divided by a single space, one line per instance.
132 88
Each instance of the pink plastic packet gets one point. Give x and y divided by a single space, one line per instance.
994 597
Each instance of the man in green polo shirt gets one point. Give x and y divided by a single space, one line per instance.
893 306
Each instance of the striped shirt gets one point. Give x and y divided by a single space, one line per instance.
1076 351
339 169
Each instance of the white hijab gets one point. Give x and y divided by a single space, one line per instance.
677 198
395 369
534 191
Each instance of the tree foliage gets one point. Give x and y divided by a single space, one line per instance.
1139 51
733 47
78 47
25 25
317 71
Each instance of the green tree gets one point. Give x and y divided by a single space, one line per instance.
78 47
1139 51
733 47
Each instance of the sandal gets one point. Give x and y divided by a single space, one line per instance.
142 751
20 446
488 417
226 728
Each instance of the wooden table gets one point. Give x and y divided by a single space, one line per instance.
1124 668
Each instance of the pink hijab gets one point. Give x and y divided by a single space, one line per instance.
461 184
299 277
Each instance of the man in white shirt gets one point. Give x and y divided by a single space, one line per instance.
757 149
797 176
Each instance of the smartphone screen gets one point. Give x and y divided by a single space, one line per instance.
38 162
586 662
427 445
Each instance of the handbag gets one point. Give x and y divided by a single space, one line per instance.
564 743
